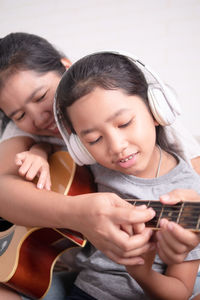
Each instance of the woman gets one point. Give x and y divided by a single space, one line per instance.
30 70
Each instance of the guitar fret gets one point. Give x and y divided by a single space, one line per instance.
160 217
198 223
180 213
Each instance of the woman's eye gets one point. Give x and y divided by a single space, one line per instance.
95 141
19 118
41 98
125 124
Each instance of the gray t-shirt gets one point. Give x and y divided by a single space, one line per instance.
99 276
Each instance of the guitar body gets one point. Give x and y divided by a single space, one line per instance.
28 255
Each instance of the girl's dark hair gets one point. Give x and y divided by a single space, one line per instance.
106 70
24 51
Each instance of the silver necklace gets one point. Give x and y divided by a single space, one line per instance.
159 164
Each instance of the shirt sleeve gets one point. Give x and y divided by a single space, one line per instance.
12 130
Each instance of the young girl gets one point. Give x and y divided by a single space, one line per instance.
104 110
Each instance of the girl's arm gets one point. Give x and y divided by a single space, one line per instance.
34 163
177 282
22 203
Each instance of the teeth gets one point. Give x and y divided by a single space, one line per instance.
126 159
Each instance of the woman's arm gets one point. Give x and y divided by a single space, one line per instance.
99 217
177 283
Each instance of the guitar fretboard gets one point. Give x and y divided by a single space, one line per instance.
186 214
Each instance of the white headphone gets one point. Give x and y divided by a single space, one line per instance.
162 102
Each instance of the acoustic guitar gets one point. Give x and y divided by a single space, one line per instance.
28 255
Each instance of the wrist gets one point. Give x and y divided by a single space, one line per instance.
41 149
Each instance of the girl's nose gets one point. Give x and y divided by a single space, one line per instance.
116 144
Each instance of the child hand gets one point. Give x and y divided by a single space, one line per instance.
173 241
32 165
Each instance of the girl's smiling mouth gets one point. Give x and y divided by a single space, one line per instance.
128 161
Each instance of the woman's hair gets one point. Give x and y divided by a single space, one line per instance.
23 51
108 71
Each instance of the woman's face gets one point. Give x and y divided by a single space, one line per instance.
118 130
27 98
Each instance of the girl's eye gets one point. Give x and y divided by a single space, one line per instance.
41 98
96 141
125 124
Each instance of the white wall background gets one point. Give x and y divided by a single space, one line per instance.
165 34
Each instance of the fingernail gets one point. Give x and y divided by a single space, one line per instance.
40 186
170 226
152 211
165 197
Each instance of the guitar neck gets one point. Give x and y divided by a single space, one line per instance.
186 214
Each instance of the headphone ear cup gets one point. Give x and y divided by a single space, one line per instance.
160 108
78 151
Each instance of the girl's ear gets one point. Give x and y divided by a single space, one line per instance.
66 62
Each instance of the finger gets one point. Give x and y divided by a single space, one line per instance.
180 234
169 240
26 165
169 243
133 215
127 261
168 255
169 199
42 179
128 229
19 158
32 172
178 195
47 185
139 227
135 260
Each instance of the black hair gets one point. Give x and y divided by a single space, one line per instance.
25 51
109 71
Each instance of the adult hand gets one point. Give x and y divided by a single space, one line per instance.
102 217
